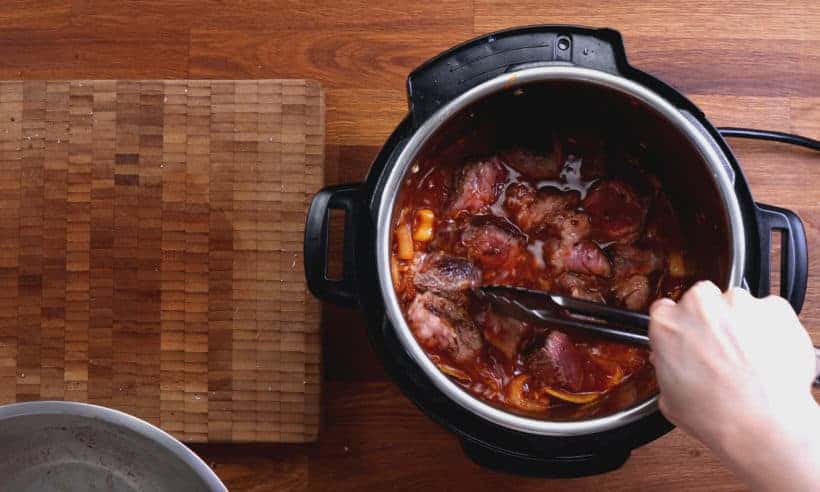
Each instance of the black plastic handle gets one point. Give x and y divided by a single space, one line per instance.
341 291
794 257
545 467
467 65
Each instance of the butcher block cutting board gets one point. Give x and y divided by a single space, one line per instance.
151 251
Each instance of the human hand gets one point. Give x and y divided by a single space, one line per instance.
736 373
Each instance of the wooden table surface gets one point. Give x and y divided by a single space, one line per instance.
750 63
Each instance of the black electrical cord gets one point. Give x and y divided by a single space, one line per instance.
768 135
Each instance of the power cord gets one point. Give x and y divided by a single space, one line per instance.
769 135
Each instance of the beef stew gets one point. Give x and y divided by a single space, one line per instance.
578 217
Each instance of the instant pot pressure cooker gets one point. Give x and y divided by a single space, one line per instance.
519 77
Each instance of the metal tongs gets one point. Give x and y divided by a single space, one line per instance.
618 324
626 326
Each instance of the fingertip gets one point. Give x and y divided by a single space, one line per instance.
736 292
703 291
660 303
706 287
737 296
778 302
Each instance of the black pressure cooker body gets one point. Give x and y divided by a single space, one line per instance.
432 86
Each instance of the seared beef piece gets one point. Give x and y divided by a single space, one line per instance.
503 332
632 267
557 363
571 226
633 292
615 210
518 201
444 274
534 165
628 260
579 287
548 208
583 257
478 185
494 244
441 324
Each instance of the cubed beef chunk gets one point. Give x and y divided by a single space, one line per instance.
478 186
532 164
632 292
518 201
632 267
579 286
571 226
548 208
444 274
628 260
441 324
582 257
494 245
503 332
557 363
616 212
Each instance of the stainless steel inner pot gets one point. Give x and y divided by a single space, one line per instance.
713 188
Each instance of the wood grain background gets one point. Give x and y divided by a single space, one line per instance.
151 251
753 63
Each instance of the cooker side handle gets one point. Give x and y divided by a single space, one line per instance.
341 291
794 258
544 467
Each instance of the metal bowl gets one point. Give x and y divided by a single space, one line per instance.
66 446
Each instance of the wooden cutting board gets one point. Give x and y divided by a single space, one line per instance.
151 251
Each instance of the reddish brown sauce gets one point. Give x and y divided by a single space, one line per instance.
565 219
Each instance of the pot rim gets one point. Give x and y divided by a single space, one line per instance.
705 146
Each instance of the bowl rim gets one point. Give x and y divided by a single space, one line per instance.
704 144
119 419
